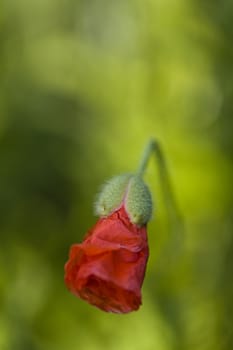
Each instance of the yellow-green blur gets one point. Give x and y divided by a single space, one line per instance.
83 86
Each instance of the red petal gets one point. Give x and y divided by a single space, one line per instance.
108 268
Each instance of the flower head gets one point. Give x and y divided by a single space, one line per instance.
107 269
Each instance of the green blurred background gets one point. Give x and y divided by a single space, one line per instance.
83 86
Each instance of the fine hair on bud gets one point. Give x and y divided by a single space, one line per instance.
138 202
111 195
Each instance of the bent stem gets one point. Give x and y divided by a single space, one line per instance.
153 147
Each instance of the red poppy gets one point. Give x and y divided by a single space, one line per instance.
107 269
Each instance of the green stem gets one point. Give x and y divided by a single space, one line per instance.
153 147
150 148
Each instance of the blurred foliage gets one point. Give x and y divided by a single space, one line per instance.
83 85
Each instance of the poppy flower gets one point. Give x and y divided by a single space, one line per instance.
107 269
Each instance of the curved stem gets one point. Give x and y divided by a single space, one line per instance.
169 198
150 148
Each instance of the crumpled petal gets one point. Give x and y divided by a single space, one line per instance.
107 269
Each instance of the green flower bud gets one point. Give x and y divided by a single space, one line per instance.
138 203
112 195
128 190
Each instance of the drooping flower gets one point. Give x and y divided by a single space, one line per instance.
107 269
